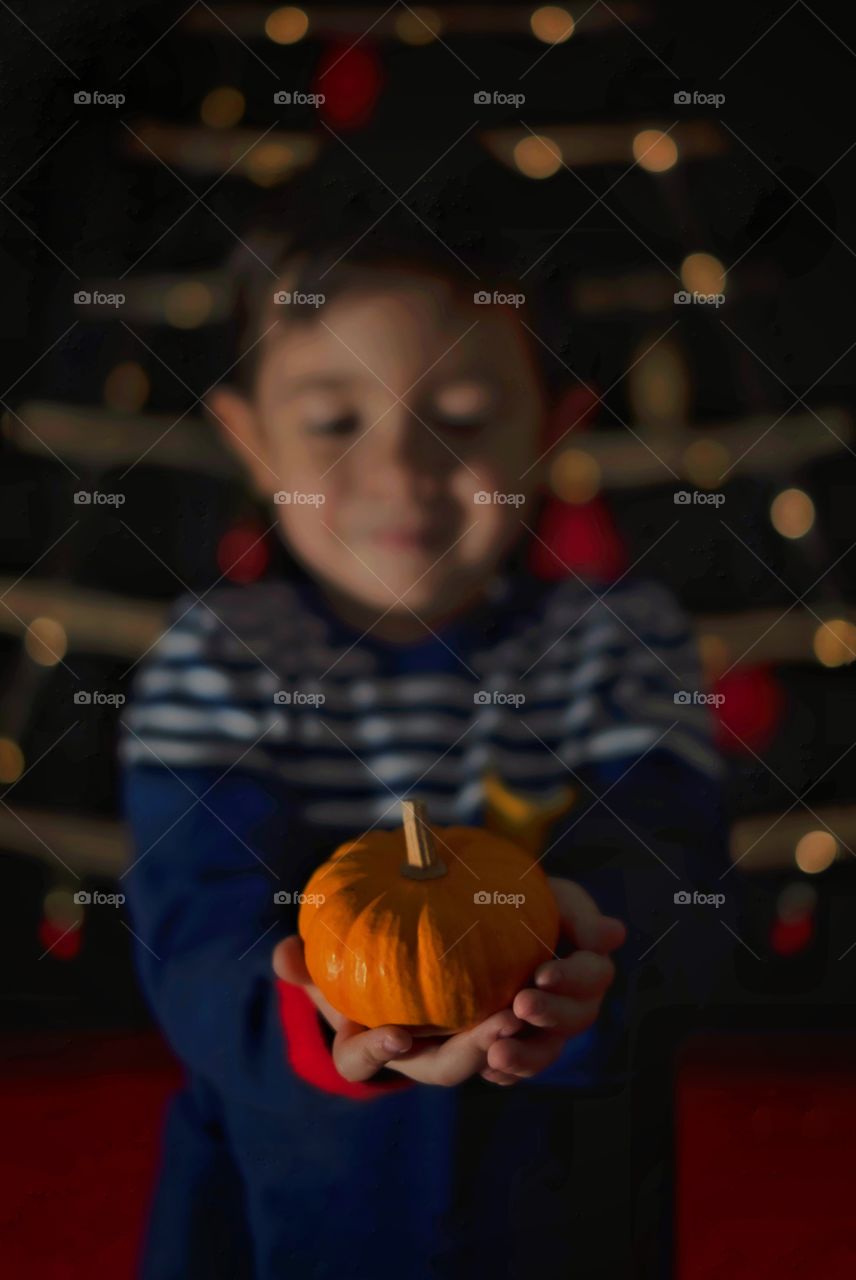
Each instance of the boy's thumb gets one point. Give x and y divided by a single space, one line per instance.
288 962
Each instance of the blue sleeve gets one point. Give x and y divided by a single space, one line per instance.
207 858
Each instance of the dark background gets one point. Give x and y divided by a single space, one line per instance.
80 206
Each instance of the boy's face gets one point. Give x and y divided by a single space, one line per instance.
386 419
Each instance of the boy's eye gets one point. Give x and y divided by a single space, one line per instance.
340 424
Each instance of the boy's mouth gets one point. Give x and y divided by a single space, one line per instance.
407 538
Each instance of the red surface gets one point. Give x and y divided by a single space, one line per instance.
765 1137
81 1124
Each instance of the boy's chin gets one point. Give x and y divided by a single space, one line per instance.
429 596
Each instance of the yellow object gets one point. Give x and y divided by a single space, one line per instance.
525 820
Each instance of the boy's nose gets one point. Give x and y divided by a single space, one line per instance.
400 455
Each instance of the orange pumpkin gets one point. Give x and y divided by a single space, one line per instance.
395 933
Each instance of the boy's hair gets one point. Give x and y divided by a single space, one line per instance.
337 225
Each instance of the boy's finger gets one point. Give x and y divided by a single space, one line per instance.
358 1054
459 1056
498 1077
556 1013
584 974
288 962
582 920
523 1058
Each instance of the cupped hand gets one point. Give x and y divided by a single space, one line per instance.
512 1044
566 994
359 1052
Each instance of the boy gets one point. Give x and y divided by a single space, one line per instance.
406 655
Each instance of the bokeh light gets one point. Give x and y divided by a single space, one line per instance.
45 642
792 513
286 25
702 273
705 463
575 476
269 163
418 26
538 156
188 305
654 151
60 908
222 108
816 851
835 642
126 387
11 760
552 24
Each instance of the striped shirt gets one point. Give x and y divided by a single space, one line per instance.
538 681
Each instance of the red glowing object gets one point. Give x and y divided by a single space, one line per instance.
788 937
580 539
59 940
243 553
350 79
751 711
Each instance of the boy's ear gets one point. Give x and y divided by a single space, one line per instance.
239 429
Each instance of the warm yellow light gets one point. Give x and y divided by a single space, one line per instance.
60 908
816 851
537 156
658 385
418 26
705 462
188 305
11 760
286 26
714 656
222 108
575 476
702 273
46 642
552 24
268 163
654 151
792 513
126 387
835 642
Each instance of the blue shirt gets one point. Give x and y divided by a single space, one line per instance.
262 732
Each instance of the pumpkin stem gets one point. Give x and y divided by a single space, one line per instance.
423 861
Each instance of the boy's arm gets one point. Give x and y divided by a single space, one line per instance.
206 864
